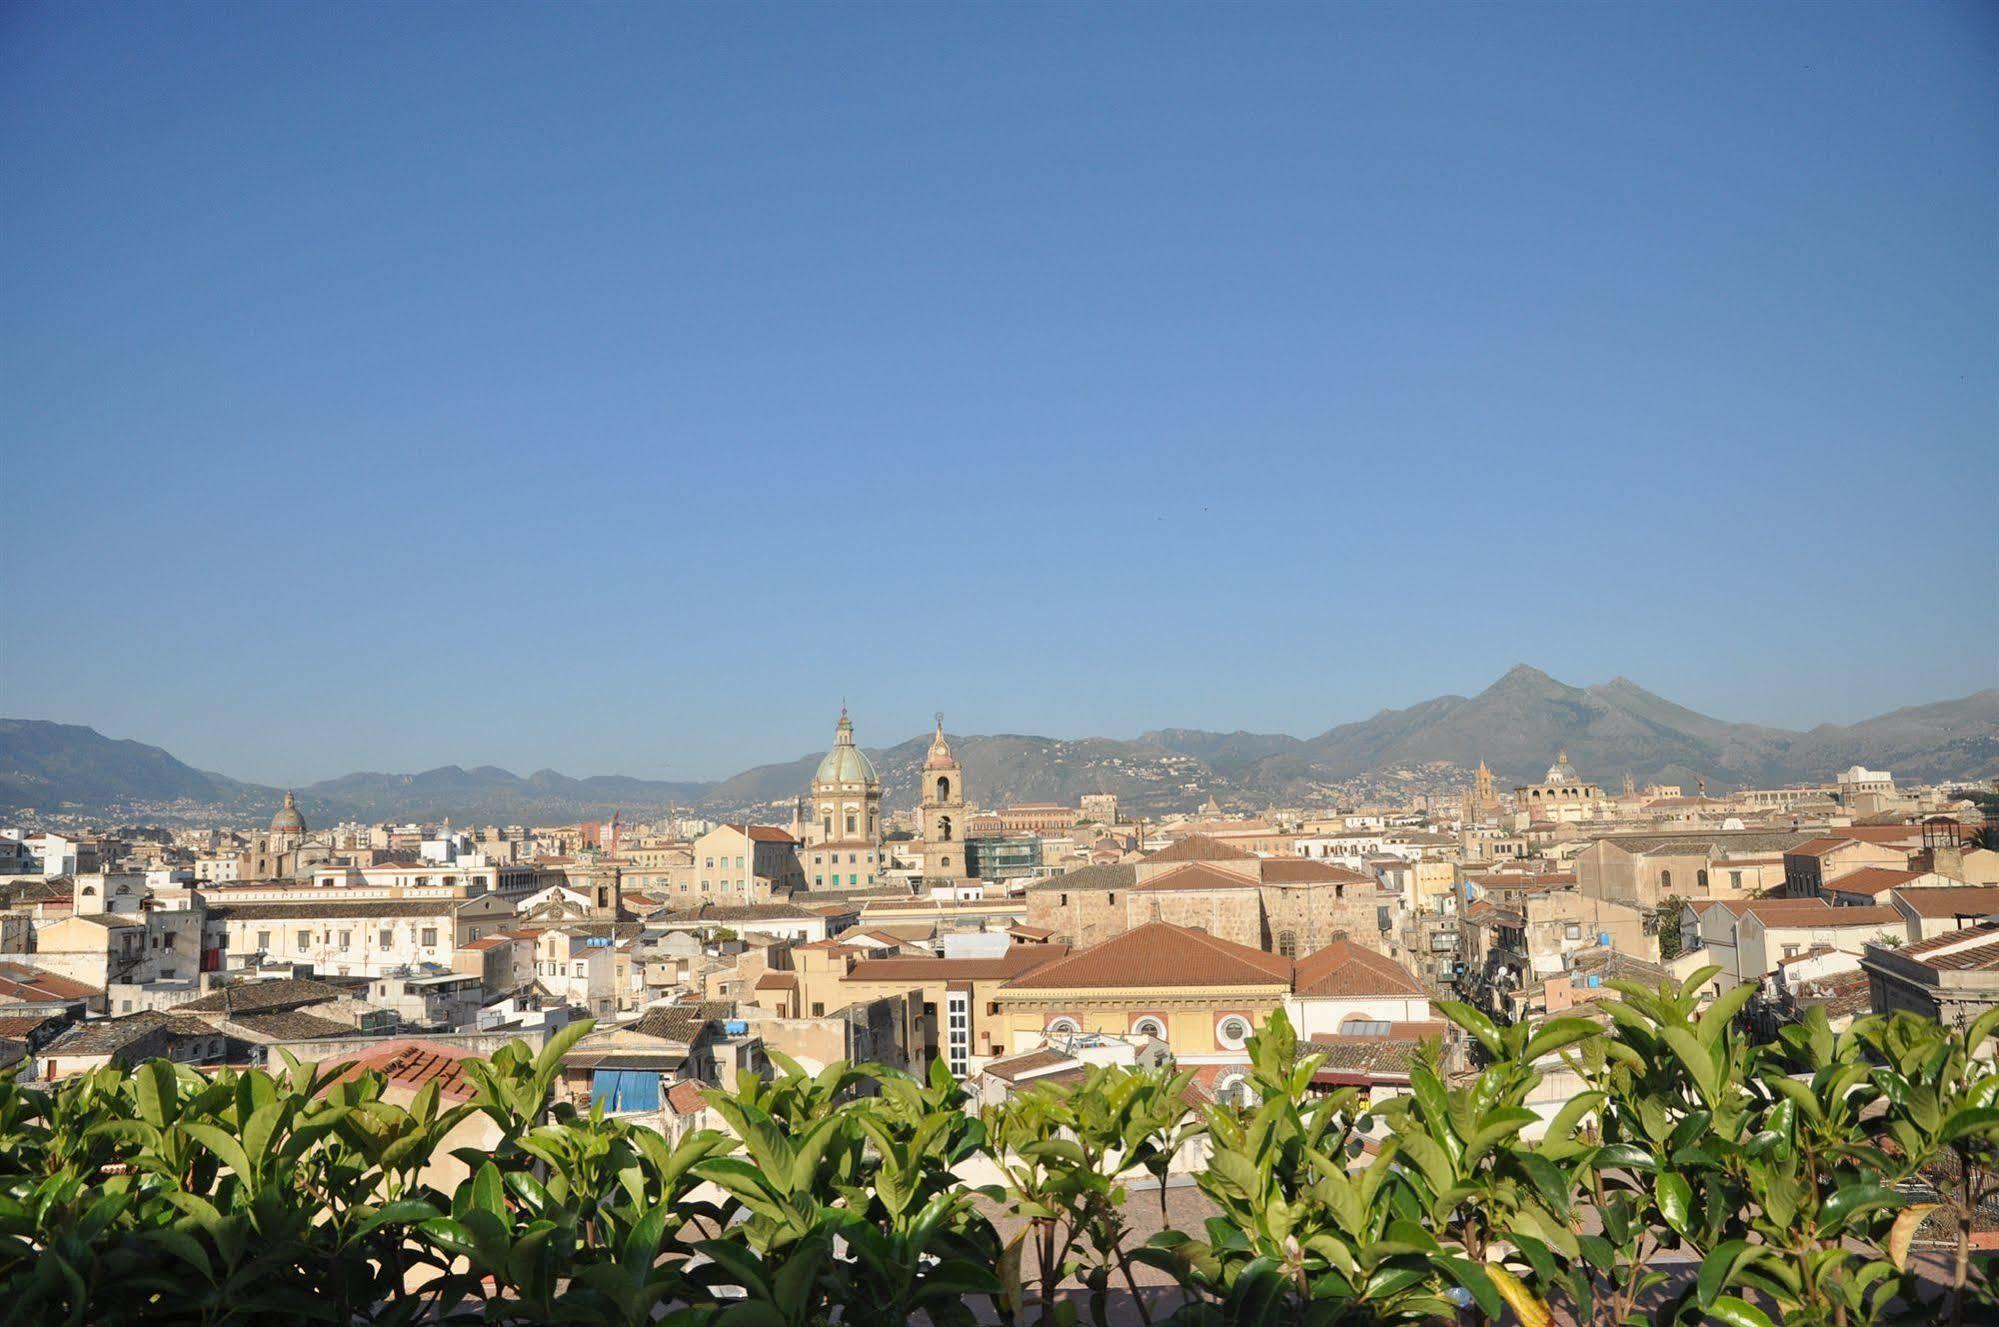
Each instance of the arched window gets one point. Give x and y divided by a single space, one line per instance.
1665 879
1235 1091
1149 1026
944 827
1064 1026
1700 879
943 789
1287 944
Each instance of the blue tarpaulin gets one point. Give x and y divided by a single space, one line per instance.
625 1089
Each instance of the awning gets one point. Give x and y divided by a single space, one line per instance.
625 1089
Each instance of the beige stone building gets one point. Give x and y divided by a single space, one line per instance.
1647 868
1200 994
1562 796
1287 905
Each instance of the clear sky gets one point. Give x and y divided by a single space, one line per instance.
617 388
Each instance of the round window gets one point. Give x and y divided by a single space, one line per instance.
1232 1032
1063 1027
1149 1027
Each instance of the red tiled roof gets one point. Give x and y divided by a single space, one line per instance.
1949 938
684 1097
1952 901
1200 848
1305 871
763 833
1017 960
1344 968
778 981
20 1027
1198 875
21 983
1800 912
1975 958
1876 880
1161 954
1014 1067
412 1064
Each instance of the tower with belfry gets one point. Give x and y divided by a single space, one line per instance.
941 811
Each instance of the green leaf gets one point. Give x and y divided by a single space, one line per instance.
1717 1016
1717 1268
489 1192
1257 1299
1737 1312
1855 1198
226 1149
1980 1120
1476 1023
1675 1197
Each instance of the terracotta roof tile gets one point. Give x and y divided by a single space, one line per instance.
1875 880
1952 901
412 1064
1200 848
1160 954
1198 875
1017 960
22 984
1799 912
1305 871
1344 968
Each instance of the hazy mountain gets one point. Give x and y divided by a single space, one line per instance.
1516 726
56 766
488 793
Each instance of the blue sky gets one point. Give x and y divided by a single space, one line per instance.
616 389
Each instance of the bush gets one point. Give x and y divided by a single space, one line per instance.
1786 1181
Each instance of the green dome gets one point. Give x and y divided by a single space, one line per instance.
846 763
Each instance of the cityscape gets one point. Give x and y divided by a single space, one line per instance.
1176 666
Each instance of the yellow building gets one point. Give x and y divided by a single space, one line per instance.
1201 995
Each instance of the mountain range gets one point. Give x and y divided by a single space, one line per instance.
1516 726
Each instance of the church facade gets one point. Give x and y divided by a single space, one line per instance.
842 835
1561 796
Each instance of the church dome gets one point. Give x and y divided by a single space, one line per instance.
288 820
846 763
1562 771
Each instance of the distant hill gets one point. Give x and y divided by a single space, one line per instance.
1516 726
65 766
488 793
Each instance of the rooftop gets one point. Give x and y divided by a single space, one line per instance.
1160 954
1201 848
252 997
411 1065
22 984
1951 901
1344 968
1017 960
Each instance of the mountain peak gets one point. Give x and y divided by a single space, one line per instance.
1526 679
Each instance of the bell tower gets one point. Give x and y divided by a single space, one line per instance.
941 808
